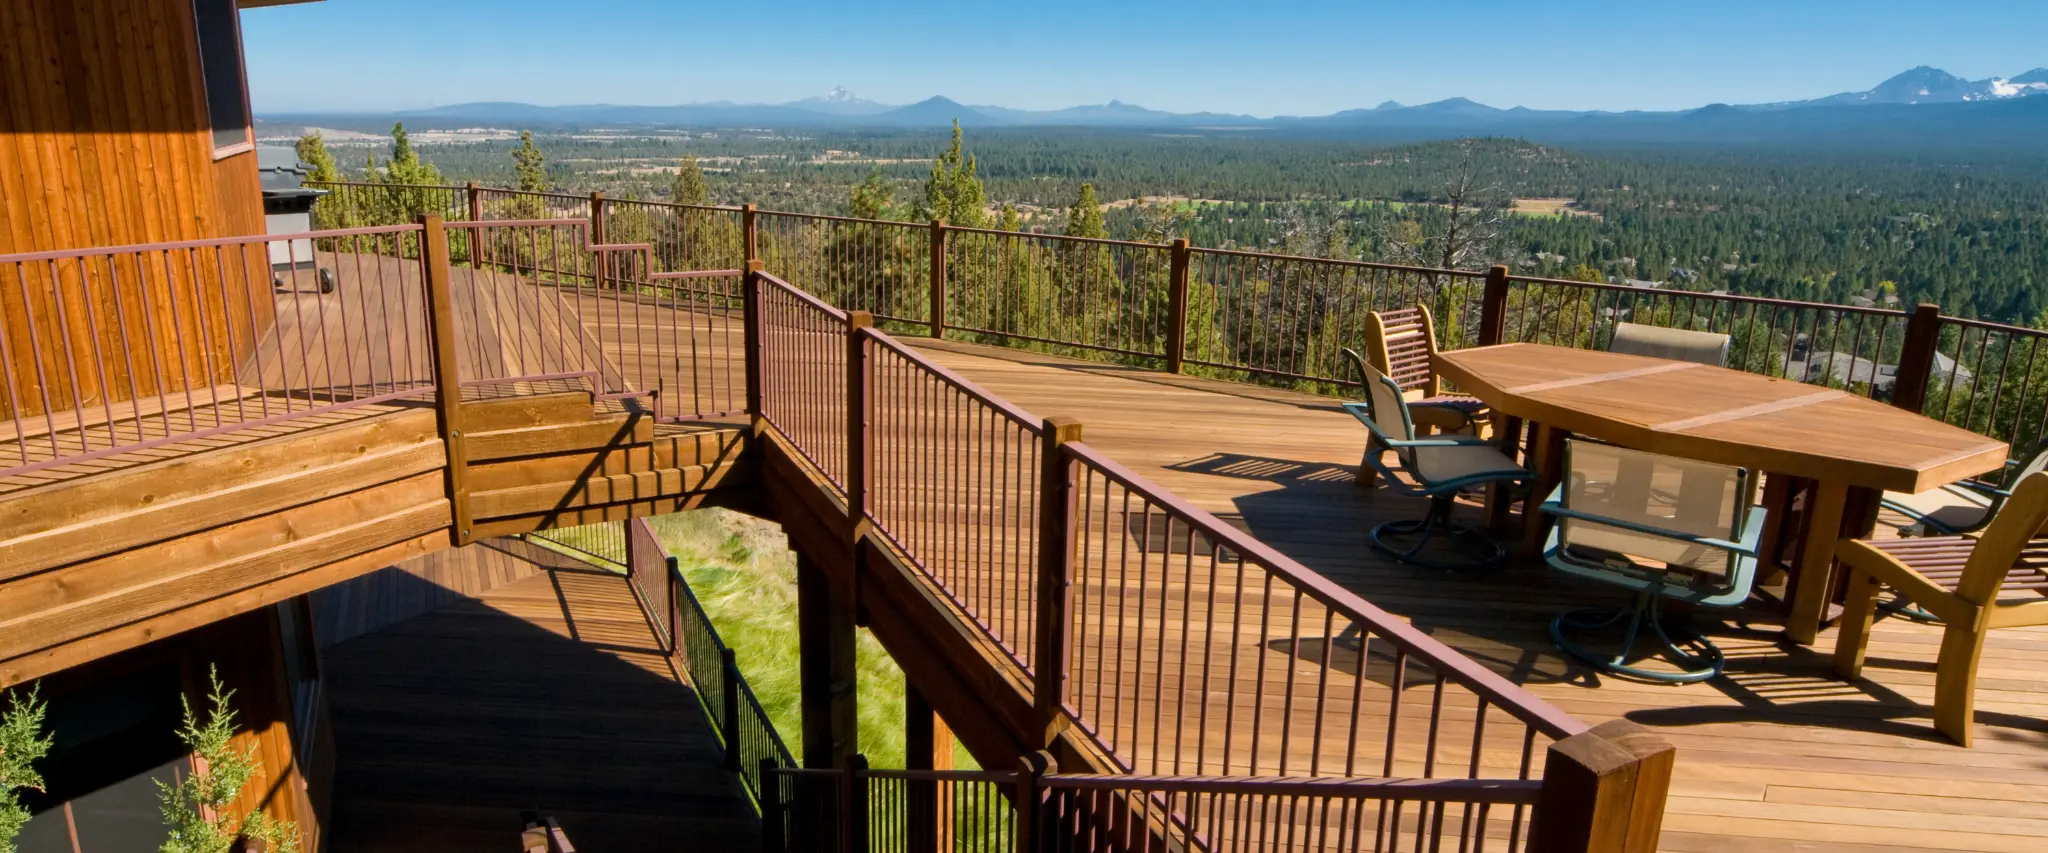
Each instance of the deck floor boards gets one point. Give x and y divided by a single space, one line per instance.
1778 755
544 694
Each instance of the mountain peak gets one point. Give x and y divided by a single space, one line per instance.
2038 75
1390 105
841 95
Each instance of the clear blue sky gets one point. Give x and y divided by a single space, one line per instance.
1262 58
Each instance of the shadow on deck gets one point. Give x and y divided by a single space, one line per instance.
1777 755
549 693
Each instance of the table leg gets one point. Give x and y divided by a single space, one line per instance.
1507 431
1546 457
1812 580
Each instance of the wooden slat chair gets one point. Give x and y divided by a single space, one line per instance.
1400 345
1664 527
1441 468
1708 348
1995 579
1954 509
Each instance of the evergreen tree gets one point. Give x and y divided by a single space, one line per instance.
196 807
530 165
406 167
1084 219
22 744
312 150
953 193
689 186
872 197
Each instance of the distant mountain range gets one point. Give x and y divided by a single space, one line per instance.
1923 104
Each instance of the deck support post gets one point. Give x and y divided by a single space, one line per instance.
825 662
1055 572
938 273
855 809
859 448
440 305
750 246
1177 305
751 339
1916 357
1030 819
729 725
1604 791
927 745
1493 307
773 824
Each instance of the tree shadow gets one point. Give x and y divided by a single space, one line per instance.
449 724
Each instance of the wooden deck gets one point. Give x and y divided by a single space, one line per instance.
1776 755
544 694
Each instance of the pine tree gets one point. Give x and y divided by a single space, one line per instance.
530 165
689 186
953 193
406 167
196 806
872 197
22 744
1084 219
312 150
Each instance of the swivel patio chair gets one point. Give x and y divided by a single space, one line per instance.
1707 348
1668 529
1401 344
1441 468
1974 583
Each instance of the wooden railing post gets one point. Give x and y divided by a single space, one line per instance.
772 821
598 233
938 288
1055 571
859 449
751 336
1603 791
729 666
440 307
1029 798
1916 357
476 202
1177 305
1493 307
855 814
750 245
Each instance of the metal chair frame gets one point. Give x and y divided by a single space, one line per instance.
1695 655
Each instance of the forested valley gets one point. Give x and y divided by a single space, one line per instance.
1863 228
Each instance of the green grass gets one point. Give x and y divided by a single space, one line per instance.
743 572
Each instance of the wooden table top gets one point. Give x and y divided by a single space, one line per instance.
1719 415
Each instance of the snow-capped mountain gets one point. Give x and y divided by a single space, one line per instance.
1925 85
840 102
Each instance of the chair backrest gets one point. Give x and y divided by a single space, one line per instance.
1661 493
1386 406
2019 520
1675 344
1399 344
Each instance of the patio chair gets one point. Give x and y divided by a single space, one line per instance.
1676 344
1974 583
1441 468
1955 509
1400 344
1668 529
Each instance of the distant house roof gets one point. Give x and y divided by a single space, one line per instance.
1842 368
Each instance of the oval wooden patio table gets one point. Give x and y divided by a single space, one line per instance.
1850 447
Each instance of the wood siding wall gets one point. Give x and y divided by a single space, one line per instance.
104 141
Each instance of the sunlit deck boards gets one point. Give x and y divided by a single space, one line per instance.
545 694
1778 755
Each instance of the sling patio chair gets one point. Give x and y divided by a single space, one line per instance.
1997 578
1708 348
1401 344
1440 466
1669 529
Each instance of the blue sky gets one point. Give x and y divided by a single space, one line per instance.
1262 58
